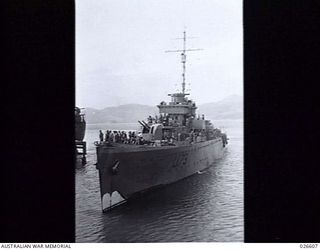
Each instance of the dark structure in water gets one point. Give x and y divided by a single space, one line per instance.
80 129
168 148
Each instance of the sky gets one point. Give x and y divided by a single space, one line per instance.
121 44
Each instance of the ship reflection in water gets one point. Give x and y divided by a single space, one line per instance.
206 207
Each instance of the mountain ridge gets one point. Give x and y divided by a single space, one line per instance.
230 107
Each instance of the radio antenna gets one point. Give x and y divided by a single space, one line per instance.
184 58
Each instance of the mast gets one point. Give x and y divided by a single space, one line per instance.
183 59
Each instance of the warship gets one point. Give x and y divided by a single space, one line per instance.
170 147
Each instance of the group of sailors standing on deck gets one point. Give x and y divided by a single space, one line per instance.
120 137
131 137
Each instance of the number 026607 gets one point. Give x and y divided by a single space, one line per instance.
308 245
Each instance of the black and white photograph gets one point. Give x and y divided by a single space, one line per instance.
159 121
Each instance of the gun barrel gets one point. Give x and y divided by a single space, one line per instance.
141 123
146 124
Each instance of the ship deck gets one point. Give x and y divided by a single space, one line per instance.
134 147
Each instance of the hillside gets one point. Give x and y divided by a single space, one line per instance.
228 108
120 114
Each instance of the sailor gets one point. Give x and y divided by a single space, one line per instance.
167 120
101 136
160 118
124 137
117 136
133 137
202 117
187 122
142 141
106 138
191 136
129 137
138 142
121 137
195 137
111 136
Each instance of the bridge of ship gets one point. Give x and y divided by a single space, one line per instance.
179 108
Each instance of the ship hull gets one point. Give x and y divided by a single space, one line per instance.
126 172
